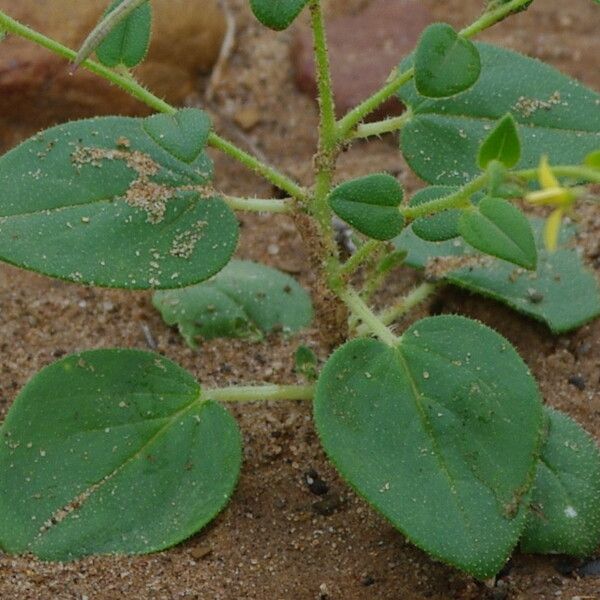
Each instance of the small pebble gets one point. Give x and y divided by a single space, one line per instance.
315 484
578 381
327 506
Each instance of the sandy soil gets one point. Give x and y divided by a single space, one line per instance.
275 541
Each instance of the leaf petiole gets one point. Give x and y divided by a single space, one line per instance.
258 393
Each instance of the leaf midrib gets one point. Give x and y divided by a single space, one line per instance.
99 484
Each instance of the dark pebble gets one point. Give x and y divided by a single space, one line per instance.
327 506
589 569
367 581
578 381
315 484
566 566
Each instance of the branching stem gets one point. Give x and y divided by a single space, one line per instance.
397 79
370 320
129 85
380 127
415 297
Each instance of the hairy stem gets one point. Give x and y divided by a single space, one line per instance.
403 306
370 320
260 393
134 89
324 161
269 173
359 257
105 26
455 200
397 79
380 127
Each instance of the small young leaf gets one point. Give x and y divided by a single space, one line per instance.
546 295
183 134
305 363
564 516
498 228
245 299
277 14
370 204
127 44
445 63
503 144
440 226
457 416
112 451
129 211
555 115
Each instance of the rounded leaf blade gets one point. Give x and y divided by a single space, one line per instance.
503 144
112 451
440 434
245 299
100 202
498 228
370 204
565 515
277 14
445 63
127 44
555 115
438 227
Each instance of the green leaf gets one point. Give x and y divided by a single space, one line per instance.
498 228
127 44
445 63
370 204
244 300
439 434
555 115
440 226
545 294
564 516
502 144
100 202
112 451
306 362
183 134
277 14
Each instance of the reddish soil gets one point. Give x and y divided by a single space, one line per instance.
272 542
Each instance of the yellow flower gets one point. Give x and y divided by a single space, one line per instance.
551 194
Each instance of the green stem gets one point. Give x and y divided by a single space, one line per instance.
249 393
259 205
269 173
396 80
327 125
403 306
455 200
359 257
129 85
370 320
381 127
324 161
105 26
491 17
